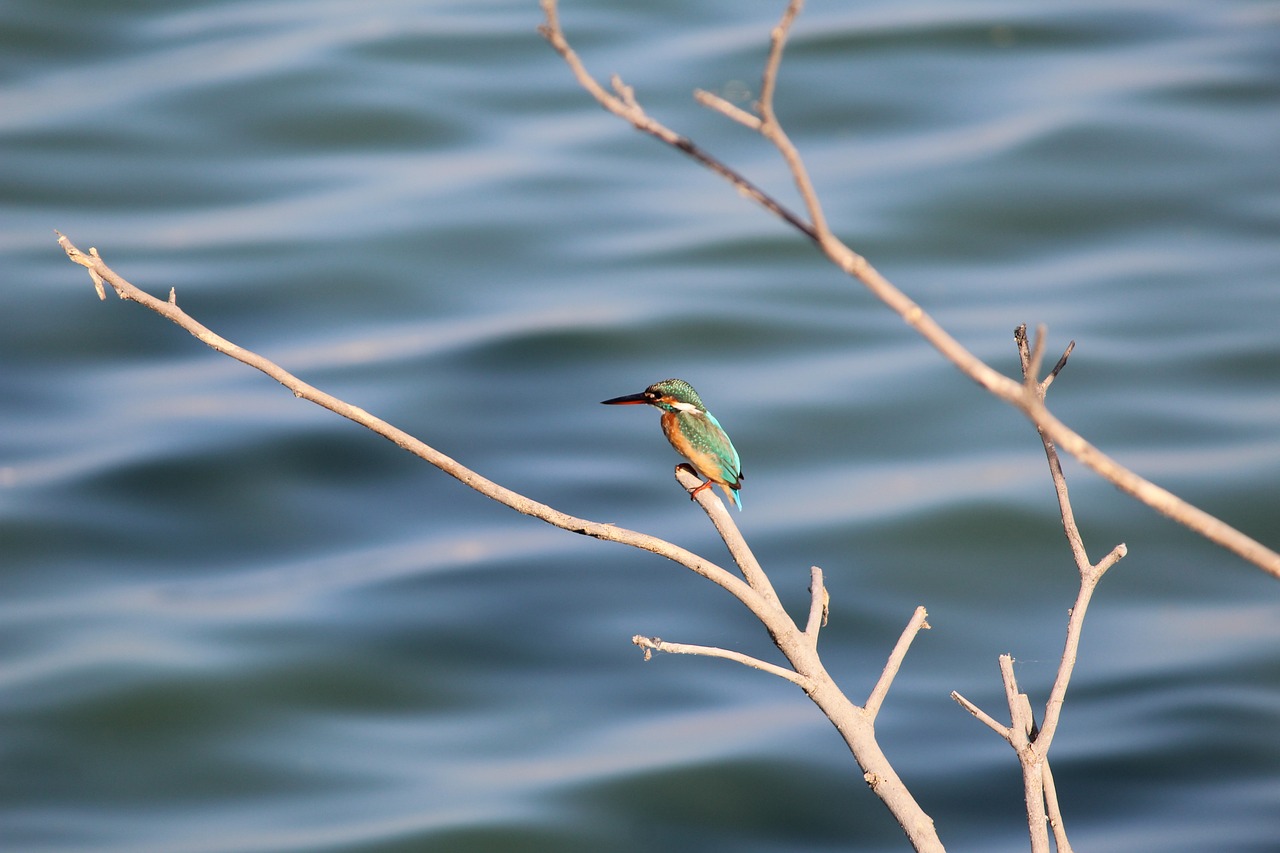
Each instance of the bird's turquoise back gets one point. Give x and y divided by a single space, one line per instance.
698 437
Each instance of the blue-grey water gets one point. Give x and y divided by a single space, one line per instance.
231 621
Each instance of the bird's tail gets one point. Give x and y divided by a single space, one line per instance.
733 493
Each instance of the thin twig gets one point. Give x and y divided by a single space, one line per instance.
1024 355
855 265
1031 370
1054 811
777 44
170 310
982 716
1071 646
1089 574
720 105
1057 368
819 605
1028 362
1032 745
656 644
899 653
1020 722
771 128
628 109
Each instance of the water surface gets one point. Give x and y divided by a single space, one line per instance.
233 621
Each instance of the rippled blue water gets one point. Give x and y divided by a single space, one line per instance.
232 621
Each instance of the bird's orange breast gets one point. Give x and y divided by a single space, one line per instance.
708 464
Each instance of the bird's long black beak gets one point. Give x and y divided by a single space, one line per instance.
628 400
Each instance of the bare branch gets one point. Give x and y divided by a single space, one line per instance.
1021 723
1024 355
856 266
1022 732
720 105
899 653
777 43
1066 666
1033 795
1031 373
819 605
629 110
97 279
757 603
1116 555
983 717
732 536
1089 574
1054 811
1032 745
1057 368
655 644
772 130
756 592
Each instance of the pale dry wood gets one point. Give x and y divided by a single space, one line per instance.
917 624
816 229
1031 744
732 111
99 271
1060 839
656 644
982 716
807 671
1022 732
1028 397
723 521
819 605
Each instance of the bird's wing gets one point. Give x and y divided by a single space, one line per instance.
725 451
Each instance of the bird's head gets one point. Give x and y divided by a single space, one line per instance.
670 395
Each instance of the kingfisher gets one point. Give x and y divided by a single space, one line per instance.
693 432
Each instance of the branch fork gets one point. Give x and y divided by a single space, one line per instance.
1029 742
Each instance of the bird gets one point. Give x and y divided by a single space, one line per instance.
693 432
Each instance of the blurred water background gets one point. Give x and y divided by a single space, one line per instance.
231 621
